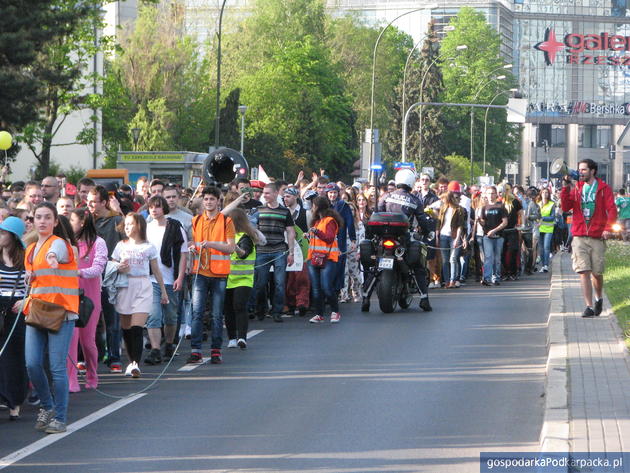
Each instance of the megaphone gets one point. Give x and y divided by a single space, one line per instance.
558 166
224 165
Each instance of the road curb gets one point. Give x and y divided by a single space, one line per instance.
554 435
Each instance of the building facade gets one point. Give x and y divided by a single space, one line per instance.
573 66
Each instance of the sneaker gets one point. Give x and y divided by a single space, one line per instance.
457 284
588 312
335 317
169 351
44 418
33 399
55 427
485 282
194 358
242 343
318 319
154 358
599 306
232 343
115 368
545 269
215 356
135 370
128 370
81 368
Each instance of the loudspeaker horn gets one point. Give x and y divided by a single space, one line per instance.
558 166
224 165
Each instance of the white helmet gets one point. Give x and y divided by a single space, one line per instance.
406 177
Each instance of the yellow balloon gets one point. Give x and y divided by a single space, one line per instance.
6 141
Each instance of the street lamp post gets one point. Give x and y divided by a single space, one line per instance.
460 47
242 109
378 40
485 126
403 109
472 113
217 121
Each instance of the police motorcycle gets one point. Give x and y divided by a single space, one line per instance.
390 256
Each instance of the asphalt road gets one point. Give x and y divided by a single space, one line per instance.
404 392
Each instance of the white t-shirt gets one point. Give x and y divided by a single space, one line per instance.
446 223
155 235
137 255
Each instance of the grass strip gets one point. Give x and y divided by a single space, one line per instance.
617 283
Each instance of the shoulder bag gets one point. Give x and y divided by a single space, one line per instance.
86 306
45 315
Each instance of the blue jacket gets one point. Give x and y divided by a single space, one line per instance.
344 210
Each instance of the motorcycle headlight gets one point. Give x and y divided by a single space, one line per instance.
616 227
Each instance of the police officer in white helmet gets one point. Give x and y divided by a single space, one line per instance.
403 201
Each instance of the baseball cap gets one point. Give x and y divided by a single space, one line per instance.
332 187
257 184
310 194
292 191
454 186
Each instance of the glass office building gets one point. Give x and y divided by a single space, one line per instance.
572 61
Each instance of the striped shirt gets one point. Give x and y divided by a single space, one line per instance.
273 223
8 276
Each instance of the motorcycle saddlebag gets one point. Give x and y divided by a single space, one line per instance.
416 254
367 253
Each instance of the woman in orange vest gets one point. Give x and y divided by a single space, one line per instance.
51 268
137 258
325 225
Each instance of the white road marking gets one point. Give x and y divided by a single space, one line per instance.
190 367
49 439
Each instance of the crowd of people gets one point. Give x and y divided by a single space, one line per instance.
162 264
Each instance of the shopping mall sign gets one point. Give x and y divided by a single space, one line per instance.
578 108
600 49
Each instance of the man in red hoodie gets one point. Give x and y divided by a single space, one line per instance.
593 205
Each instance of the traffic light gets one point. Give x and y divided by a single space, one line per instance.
527 181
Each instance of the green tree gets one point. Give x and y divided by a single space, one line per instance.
459 168
291 88
158 74
351 43
26 28
422 67
470 76
61 70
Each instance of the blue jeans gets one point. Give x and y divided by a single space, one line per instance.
450 259
112 328
163 314
264 262
492 248
202 286
544 247
322 286
38 343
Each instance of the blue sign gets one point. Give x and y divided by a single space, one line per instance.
398 166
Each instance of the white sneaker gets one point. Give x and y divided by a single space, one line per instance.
128 370
335 317
545 269
318 319
242 343
135 370
232 343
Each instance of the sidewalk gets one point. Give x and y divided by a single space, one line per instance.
587 406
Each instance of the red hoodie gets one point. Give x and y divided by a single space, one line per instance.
605 209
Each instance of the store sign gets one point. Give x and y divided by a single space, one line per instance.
577 108
600 49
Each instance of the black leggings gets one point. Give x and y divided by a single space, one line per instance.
236 318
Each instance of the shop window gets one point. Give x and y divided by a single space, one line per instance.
593 136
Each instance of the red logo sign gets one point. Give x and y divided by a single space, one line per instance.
581 49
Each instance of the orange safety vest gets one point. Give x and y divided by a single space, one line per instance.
59 286
316 244
215 260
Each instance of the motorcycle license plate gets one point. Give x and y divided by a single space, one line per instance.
386 263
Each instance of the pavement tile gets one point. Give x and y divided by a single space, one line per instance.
598 374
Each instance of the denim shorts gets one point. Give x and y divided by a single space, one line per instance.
163 314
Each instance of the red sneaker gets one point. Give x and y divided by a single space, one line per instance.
215 356
115 368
